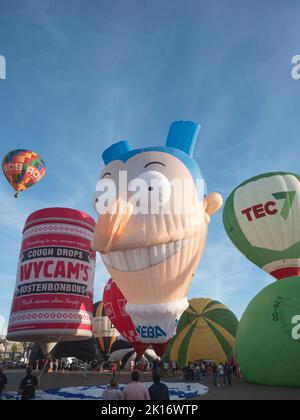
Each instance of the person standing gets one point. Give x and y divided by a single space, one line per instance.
132 365
198 372
3 382
114 368
28 385
221 374
112 393
158 391
192 370
174 367
156 366
209 372
135 390
228 373
214 374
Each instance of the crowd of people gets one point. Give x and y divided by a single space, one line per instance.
136 390
50 365
217 374
27 386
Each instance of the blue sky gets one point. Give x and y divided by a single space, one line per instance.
83 74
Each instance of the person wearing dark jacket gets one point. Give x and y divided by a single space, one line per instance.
158 391
3 382
28 385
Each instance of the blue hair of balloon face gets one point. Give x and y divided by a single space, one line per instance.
180 143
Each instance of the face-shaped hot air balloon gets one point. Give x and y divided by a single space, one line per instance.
152 250
262 218
23 168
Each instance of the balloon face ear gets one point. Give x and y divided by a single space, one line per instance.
115 151
213 202
183 135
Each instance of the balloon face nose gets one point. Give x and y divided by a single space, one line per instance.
111 225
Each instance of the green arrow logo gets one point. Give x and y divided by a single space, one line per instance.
288 196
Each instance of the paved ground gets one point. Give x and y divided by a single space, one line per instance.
247 391
238 391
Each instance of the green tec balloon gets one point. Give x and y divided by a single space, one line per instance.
206 331
262 218
268 336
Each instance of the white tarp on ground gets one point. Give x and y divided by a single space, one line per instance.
177 391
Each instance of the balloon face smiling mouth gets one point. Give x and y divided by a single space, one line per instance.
136 259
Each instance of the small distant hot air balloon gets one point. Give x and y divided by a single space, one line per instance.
206 331
262 218
114 303
23 168
103 330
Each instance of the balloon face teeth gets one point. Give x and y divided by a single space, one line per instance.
141 258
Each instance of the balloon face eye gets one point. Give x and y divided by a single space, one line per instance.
103 184
153 183
95 201
104 195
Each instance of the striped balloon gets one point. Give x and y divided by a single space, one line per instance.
103 330
23 168
206 331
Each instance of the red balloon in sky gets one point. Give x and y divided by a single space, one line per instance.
114 303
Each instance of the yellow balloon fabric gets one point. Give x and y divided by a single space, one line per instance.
103 330
206 331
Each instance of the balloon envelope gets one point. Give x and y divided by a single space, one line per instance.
268 337
262 218
151 242
206 331
123 352
114 303
85 350
23 168
53 296
103 330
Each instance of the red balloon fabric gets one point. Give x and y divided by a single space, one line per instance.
114 303
160 348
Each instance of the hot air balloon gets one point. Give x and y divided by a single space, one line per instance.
268 337
53 297
123 353
152 232
114 303
103 330
23 168
85 350
206 331
262 218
